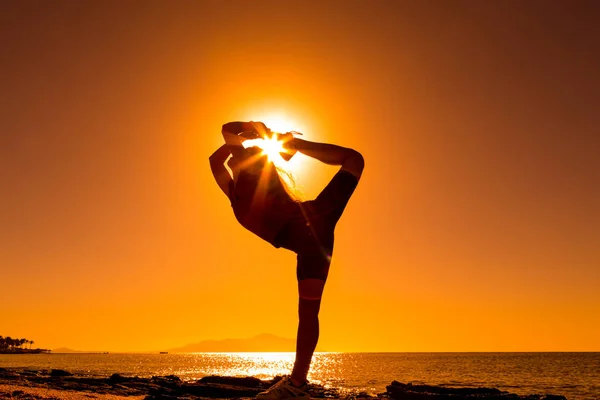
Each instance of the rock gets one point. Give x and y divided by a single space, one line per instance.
171 378
219 390
8 374
363 395
169 381
34 373
59 372
117 378
402 391
247 381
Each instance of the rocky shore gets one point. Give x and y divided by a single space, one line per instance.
18 383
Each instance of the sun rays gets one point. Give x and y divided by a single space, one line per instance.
271 147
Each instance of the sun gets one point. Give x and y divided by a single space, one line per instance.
278 120
271 147
292 169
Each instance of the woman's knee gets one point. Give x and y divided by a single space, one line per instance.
308 311
355 164
311 288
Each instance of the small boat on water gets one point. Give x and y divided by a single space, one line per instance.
164 352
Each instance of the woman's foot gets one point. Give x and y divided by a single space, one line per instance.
285 389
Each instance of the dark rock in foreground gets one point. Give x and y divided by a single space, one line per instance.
402 391
59 372
225 387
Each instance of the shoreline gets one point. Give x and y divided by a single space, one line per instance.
42 384
26 351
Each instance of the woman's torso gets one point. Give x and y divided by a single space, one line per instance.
259 198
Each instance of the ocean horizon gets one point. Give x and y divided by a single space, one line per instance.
575 375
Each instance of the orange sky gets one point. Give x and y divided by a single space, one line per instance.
475 227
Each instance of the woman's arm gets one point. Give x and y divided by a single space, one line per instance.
238 127
231 130
219 171
235 133
349 159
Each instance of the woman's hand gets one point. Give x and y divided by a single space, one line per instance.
287 142
261 129
285 137
250 135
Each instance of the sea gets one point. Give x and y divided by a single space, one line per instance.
573 375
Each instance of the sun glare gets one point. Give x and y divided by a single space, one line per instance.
277 123
272 147
289 170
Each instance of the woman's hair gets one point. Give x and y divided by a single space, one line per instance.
285 178
289 184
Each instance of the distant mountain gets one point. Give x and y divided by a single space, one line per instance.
262 342
67 350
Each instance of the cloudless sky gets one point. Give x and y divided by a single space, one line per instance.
476 226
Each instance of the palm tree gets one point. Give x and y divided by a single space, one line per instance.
9 344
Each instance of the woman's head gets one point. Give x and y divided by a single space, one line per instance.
249 159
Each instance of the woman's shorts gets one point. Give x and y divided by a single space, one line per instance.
310 230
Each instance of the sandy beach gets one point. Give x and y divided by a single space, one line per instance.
8 391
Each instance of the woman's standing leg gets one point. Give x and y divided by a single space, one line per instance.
311 237
321 216
309 304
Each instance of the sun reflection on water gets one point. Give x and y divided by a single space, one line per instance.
262 365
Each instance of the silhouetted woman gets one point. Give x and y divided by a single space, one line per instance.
262 205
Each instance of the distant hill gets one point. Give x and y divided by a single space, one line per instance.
262 342
67 350
259 343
